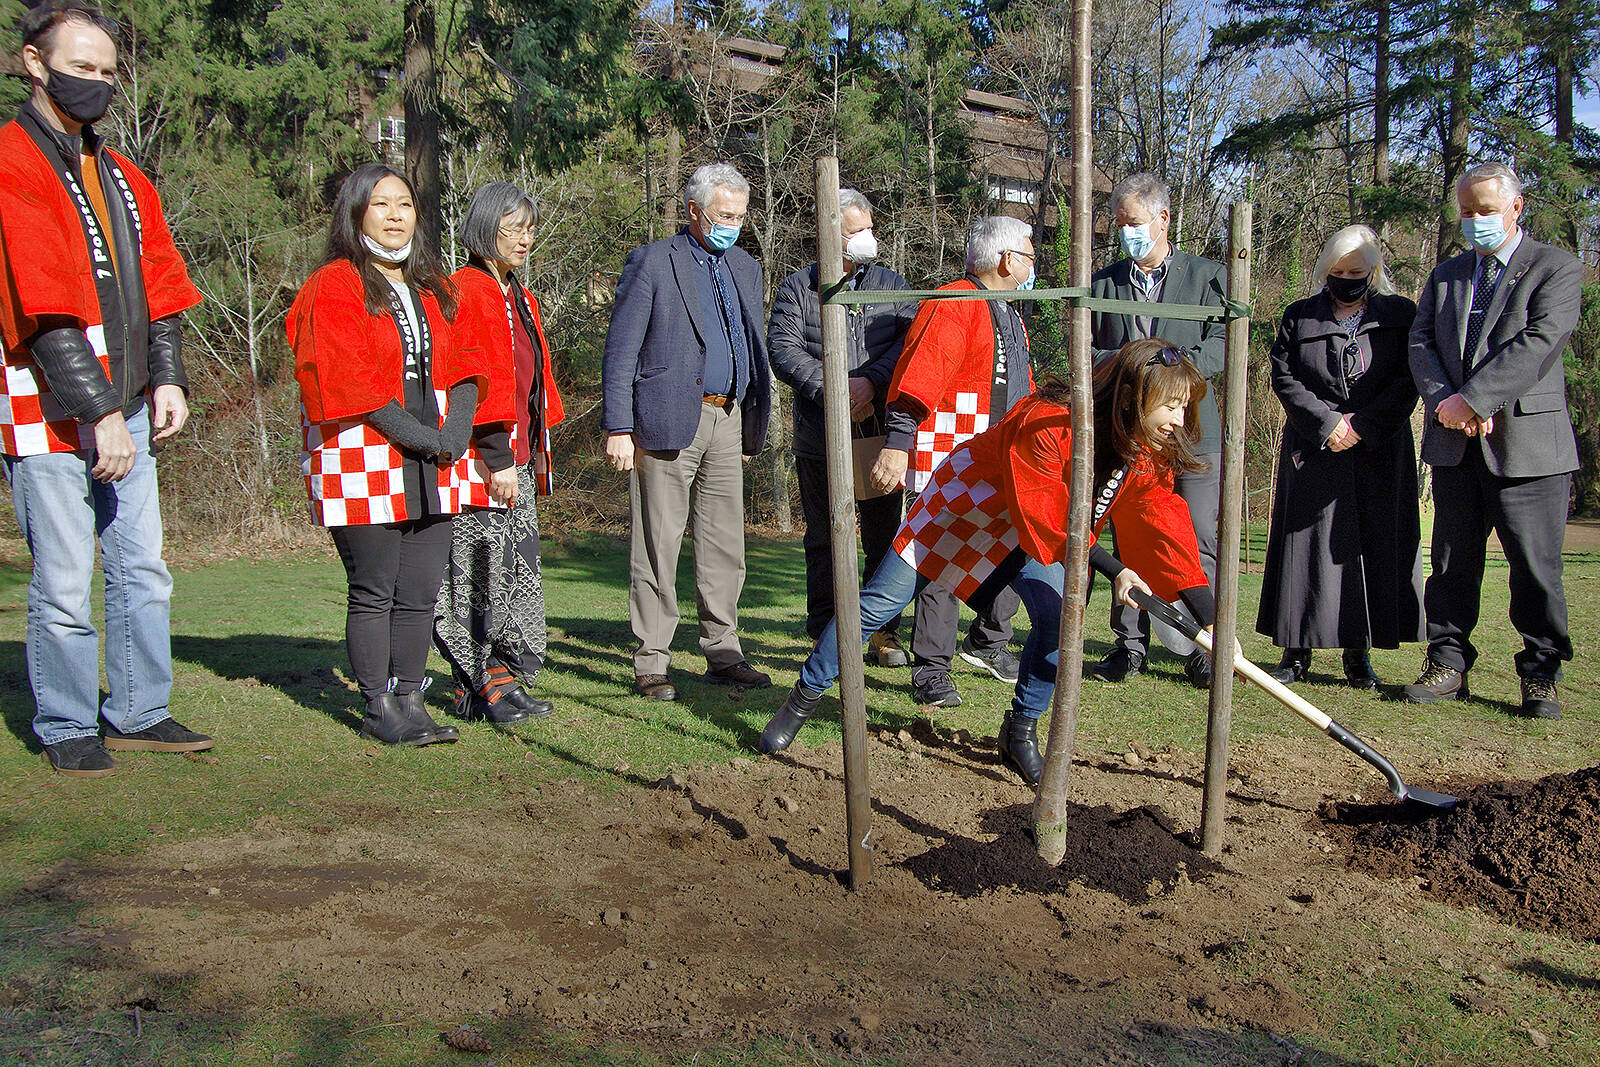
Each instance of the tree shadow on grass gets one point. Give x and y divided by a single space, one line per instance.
301 668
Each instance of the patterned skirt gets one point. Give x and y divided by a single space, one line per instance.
489 618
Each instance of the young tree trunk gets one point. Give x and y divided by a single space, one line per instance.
1380 107
421 94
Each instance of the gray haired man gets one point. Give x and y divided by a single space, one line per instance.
1155 272
686 394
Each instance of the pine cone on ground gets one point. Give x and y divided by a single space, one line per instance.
466 1039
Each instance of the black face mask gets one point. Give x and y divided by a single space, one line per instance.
82 100
1348 290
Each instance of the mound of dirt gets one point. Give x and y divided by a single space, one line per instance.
1528 851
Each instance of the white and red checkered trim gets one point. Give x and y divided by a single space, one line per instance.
354 476
946 430
32 420
472 474
959 530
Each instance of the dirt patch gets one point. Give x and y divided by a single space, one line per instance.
710 907
1528 851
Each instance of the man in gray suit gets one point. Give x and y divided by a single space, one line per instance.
1155 271
686 392
1486 353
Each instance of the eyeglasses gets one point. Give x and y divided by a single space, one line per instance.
1167 357
513 232
1019 252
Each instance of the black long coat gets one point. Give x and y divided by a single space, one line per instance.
1344 563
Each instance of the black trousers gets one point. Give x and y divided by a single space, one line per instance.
880 521
394 572
933 636
1202 491
1530 515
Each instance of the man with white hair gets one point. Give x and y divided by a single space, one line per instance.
686 395
964 365
1158 273
1486 352
873 336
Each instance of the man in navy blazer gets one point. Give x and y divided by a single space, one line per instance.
686 398
1486 352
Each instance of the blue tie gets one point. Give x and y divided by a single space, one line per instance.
1477 316
734 323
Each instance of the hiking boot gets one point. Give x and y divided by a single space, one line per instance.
386 723
1197 668
1358 669
997 661
797 708
1019 746
80 757
1294 666
936 692
1120 665
168 735
884 649
741 674
655 687
1437 682
1539 699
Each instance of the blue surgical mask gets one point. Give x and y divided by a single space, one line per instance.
722 237
1027 283
1484 232
1136 241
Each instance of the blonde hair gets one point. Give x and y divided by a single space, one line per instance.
1357 238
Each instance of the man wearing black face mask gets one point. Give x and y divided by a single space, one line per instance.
89 305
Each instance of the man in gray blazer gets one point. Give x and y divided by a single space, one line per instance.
1486 353
1155 271
686 395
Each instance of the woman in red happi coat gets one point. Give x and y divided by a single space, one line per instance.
995 513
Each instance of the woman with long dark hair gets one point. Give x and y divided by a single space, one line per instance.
489 621
1344 555
996 513
388 399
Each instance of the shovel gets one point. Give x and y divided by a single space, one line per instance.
1160 609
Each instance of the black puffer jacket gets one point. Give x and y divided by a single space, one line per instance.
794 344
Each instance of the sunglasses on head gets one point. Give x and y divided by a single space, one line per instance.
1167 357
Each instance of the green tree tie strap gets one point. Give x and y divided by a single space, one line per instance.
1077 295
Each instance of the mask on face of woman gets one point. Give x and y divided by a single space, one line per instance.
1348 290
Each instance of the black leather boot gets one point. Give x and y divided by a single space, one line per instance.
414 708
385 722
1295 664
1019 746
780 731
1358 669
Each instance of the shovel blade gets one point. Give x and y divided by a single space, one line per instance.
1418 795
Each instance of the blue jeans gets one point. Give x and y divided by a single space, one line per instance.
895 584
61 508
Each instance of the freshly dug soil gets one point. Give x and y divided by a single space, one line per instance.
1528 851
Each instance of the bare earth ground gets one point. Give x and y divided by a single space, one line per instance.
707 907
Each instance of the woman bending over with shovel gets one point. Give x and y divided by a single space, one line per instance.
995 514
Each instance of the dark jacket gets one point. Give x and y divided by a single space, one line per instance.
1344 561
1190 280
1517 373
794 342
654 362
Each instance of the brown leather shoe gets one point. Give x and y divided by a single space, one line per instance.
740 673
655 687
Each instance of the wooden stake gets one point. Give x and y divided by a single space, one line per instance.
842 507
1050 804
1219 722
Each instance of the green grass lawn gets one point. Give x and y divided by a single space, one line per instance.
260 663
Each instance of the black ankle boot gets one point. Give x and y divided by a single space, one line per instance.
1019 746
797 708
1295 664
1358 669
414 708
385 722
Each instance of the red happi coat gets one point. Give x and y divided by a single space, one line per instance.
947 367
349 363
45 270
483 330
1007 489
